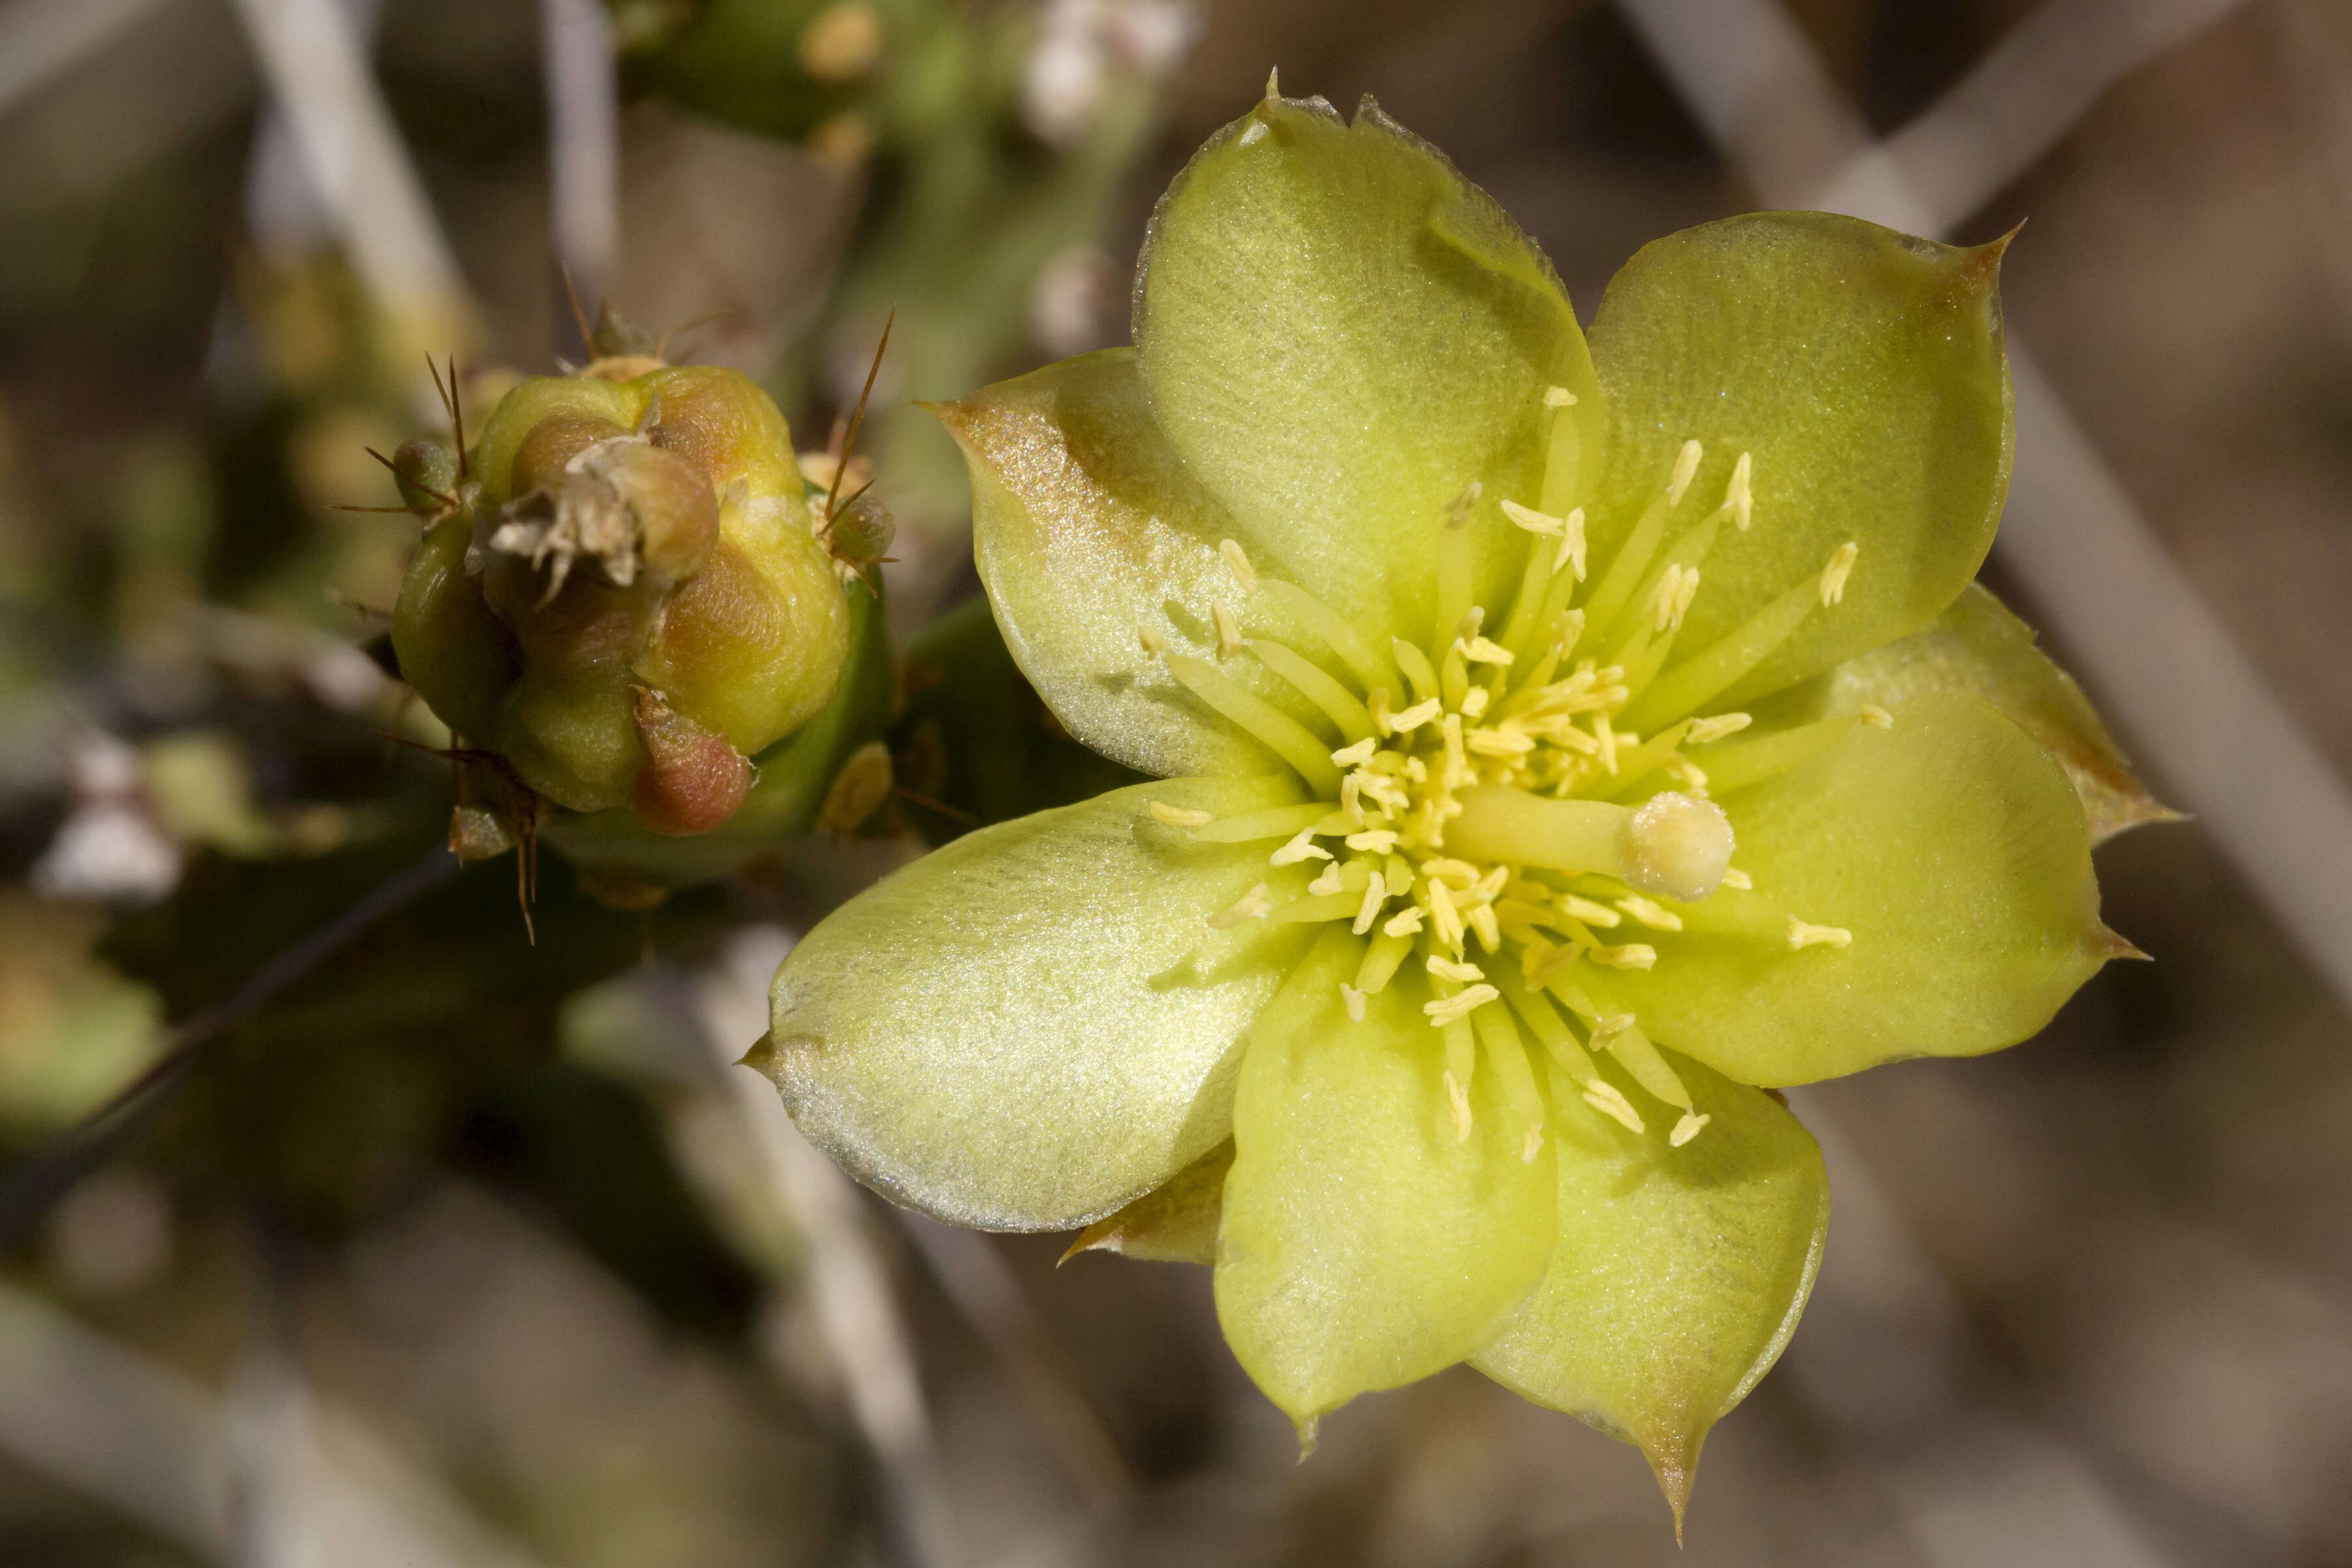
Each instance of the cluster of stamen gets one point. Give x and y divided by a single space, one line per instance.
1513 808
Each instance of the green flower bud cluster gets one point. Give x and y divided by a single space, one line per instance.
621 595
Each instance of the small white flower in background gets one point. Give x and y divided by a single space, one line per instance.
110 847
1081 43
1074 300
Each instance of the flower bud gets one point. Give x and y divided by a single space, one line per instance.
631 600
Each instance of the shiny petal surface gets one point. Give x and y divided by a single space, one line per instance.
1340 334
1087 527
1978 645
1033 1025
1951 847
1861 369
1678 1275
1363 1246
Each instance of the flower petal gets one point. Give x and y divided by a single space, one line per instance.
1978 645
1087 527
1363 1246
1953 851
1678 1275
1032 1025
1864 371
1340 334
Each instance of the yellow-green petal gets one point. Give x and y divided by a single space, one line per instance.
1678 1275
1341 335
1864 372
1035 1024
1090 534
1362 1245
1952 851
1978 645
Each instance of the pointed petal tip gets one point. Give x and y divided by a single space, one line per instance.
1673 1461
761 1057
1103 1236
2113 945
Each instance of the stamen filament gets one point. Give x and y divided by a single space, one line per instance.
1745 763
1338 703
1283 735
1333 629
1707 674
1507 1054
1274 821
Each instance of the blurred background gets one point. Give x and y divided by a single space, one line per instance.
343 1225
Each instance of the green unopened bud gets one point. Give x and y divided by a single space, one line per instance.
633 600
427 473
862 531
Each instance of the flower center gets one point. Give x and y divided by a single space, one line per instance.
1516 814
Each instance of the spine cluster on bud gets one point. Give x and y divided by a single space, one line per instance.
621 595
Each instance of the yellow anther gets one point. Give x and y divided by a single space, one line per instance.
1446 969
1238 560
1571 545
1442 914
1229 632
1559 397
1357 755
1475 701
1377 840
1588 911
1414 717
1687 1128
1460 1101
1479 650
1607 739
1685 773
1877 718
1253 905
1353 1000
1603 1096
1736 496
1154 643
1498 743
1376 893
1459 872
1686 470
1405 923
1632 955
1446 1009
1301 848
1654 916
1707 730
1840 567
1666 595
1802 933
1535 521
1181 815
1481 919
1376 704
1739 879
1457 511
